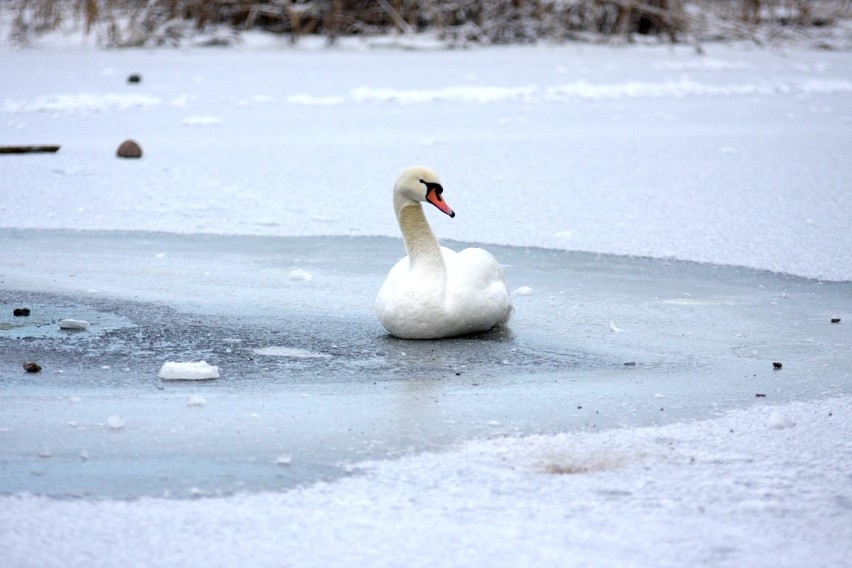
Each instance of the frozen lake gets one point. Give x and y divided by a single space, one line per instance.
600 342
674 224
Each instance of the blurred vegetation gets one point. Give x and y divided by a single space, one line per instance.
133 23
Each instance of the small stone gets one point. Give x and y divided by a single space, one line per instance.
134 78
760 395
776 365
833 320
129 149
31 367
21 312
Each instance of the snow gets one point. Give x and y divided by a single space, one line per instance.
643 151
737 158
188 371
724 492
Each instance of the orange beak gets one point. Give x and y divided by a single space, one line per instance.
433 197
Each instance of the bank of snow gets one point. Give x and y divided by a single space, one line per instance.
734 491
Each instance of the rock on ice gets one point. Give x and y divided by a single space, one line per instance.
73 324
172 371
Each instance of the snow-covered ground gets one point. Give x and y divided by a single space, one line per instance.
738 157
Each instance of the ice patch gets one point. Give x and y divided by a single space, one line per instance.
467 94
276 351
201 120
580 89
83 102
703 65
192 371
315 101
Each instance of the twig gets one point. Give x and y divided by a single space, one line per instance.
27 149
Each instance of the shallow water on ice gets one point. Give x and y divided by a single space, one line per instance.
310 382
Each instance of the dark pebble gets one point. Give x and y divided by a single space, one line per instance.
32 367
777 365
129 149
630 364
835 320
134 78
21 312
760 395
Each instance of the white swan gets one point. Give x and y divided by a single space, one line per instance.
435 292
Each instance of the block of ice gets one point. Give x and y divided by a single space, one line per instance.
73 324
192 371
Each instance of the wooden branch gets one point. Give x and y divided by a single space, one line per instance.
27 149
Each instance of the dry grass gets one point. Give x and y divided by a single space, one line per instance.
123 23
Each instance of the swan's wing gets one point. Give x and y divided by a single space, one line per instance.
478 285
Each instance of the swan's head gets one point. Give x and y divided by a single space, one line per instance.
418 184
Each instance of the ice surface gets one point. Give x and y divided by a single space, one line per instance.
189 371
588 447
575 148
277 351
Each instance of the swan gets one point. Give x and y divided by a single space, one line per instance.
435 292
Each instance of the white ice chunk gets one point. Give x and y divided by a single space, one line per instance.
73 324
196 401
283 459
115 422
299 274
192 371
615 329
523 291
779 421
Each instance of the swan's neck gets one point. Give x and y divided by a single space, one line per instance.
420 242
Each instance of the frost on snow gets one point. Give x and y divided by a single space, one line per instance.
192 371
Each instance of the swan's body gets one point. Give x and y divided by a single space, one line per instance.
435 292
